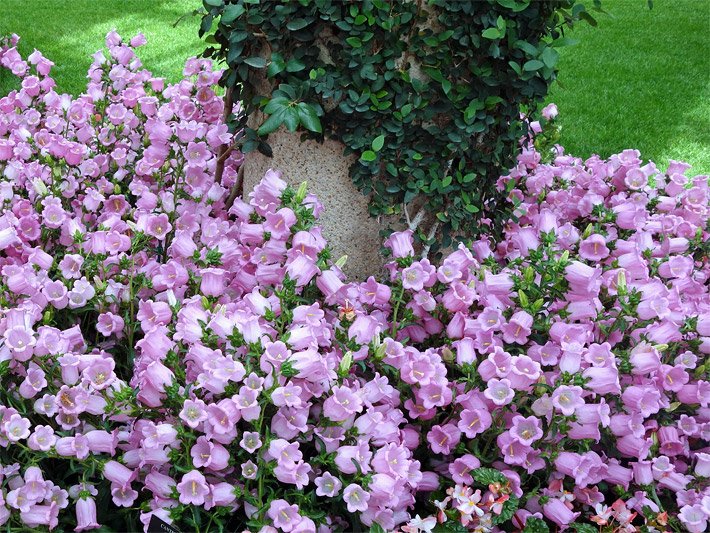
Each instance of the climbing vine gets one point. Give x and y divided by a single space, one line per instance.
427 94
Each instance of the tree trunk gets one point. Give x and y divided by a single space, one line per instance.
346 224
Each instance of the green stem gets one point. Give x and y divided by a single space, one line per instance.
654 497
396 311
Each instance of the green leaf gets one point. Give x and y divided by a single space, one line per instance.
473 107
535 525
291 119
446 181
309 118
533 65
276 65
275 104
368 155
491 33
472 208
256 62
450 526
434 74
376 528
524 302
213 3
354 42
526 47
550 57
509 508
514 4
232 12
486 476
378 143
272 123
296 24
584 528
295 65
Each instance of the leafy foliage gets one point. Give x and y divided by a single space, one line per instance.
535 525
427 94
486 476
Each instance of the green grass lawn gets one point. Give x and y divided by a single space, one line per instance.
641 79
69 31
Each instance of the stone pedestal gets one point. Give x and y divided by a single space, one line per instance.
347 226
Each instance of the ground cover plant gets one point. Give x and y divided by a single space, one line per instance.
166 353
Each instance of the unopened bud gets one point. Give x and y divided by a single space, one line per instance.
345 364
40 187
654 439
301 192
587 231
447 354
340 263
529 274
621 283
661 347
99 284
172 301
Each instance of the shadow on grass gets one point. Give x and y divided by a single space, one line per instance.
69 31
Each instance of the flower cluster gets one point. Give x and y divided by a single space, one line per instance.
170 352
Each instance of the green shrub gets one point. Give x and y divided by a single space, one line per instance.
428 95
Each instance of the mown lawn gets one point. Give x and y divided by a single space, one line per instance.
641 79
69 31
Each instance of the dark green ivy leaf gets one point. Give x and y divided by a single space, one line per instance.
275 104
550 57
309 118
533 65
291 119
256 62
296 24
232 12
273 122
378 143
